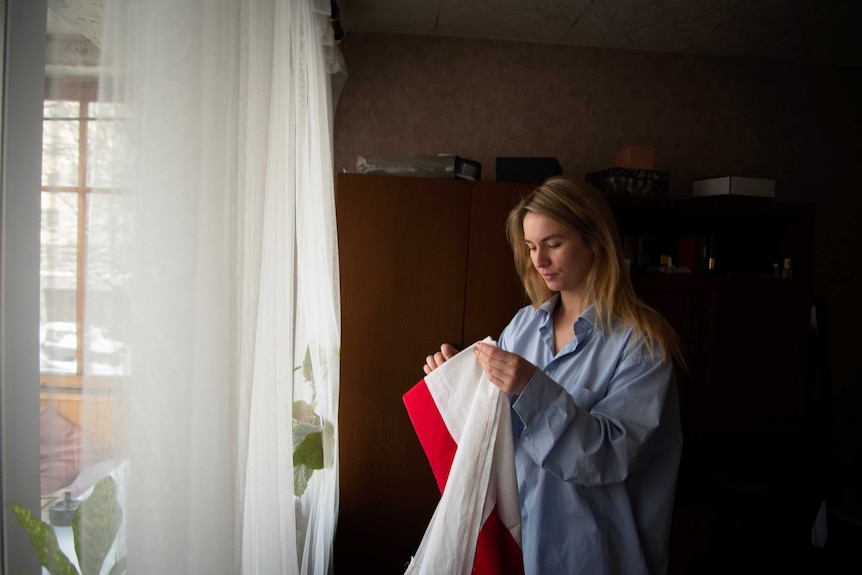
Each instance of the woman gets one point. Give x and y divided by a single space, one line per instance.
589 369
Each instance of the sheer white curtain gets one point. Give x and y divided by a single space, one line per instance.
220 237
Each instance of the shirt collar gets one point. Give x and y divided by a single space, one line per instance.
585 325
548 307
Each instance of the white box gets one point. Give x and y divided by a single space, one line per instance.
733 186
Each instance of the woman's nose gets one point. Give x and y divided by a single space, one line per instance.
540 259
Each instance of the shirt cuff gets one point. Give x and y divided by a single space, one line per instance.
540 392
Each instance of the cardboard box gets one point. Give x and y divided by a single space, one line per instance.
733 186
637 157
630 182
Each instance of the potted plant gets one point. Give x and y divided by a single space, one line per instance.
313 436
95 525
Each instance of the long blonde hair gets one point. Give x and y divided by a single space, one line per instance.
580 207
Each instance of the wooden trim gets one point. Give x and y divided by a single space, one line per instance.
75 89
74 383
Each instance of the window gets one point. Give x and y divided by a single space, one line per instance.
74 187
73 182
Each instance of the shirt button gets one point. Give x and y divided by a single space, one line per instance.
547 372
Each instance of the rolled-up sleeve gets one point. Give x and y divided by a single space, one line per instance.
591 440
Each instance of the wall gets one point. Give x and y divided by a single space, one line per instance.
706 116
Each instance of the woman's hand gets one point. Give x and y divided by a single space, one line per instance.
434 361
508 371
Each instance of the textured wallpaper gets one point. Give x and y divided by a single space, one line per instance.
706 116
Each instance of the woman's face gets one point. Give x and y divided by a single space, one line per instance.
558 253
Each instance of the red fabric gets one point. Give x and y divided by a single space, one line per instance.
497 552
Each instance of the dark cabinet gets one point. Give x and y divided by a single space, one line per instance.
422 262
743 326
493 291
745 494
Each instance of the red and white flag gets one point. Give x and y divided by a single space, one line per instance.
464 425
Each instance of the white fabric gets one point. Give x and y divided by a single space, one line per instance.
221 249
477 415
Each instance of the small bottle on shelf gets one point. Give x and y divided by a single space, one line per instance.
708 251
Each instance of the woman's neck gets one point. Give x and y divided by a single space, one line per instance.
566 314
570 306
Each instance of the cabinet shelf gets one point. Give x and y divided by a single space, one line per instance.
712 206
660 280
745 237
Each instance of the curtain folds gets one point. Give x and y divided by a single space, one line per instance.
223 253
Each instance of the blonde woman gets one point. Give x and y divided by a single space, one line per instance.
589 369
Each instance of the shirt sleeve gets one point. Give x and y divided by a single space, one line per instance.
601 444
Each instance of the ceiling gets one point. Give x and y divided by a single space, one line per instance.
820 31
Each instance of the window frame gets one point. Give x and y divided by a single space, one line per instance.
23 65
82 91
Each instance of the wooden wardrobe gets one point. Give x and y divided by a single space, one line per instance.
422 261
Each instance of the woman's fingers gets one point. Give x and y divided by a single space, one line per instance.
448 351
437 359
508 371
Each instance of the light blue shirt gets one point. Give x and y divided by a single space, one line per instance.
597 448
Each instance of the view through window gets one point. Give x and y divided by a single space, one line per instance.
81 360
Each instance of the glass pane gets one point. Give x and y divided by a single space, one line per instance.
60 144
105 110
62 109
103 144
58 276
106 352
75 425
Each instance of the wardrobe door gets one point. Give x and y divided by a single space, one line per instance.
403 259
494 292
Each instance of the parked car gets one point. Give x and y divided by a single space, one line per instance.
58 345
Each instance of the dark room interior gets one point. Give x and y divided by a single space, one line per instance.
770 400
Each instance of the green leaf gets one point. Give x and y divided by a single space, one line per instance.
310 451
301 476
328 444
301 431
95 526
307 368
44 542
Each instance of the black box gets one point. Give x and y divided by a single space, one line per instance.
630 182
527 170
467 169
733 186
